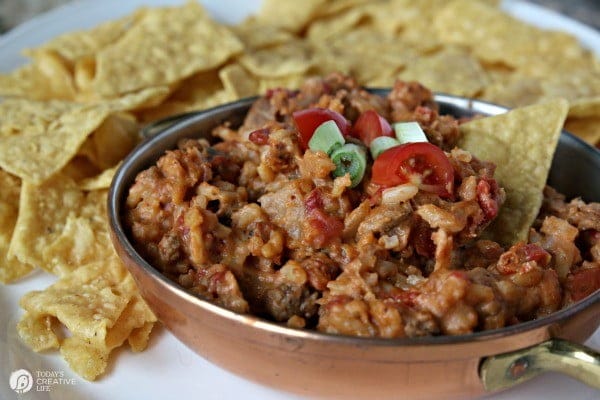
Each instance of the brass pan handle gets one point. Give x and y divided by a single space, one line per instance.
506 370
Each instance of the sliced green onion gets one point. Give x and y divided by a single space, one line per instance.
381 144
350 159
409 132
327 138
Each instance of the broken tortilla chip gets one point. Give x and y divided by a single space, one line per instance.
100 307
11 269
60 227
521 143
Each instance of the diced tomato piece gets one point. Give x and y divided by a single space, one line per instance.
583 282
487 190
534 252
308 120
313 200
371 125
422 163
326 227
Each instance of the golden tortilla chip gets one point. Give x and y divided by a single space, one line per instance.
37 139
238 81
521 143
574 85
496 37
274 62
111 141
60 227
46 78
586 107
449 71
48 135
84 73
516 91
87 360
11 269
80 168
587 128
256 35
157 51
38 333
74 46
98 304
287 14
347 53
138 340
320 31
199 91
99 182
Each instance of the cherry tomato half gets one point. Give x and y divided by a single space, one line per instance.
371 125
308 120
421 163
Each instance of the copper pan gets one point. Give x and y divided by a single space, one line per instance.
328 366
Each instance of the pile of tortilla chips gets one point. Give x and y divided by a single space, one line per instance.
69 116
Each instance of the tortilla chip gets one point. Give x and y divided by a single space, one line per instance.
60 227
496 37
586 107
37 139
322 30
587 128
287 14
98 304
79 168
516 91
48 135
48 77
347 53
11 269
156 51
238 81
521 143
111 141
38 333
256 35
74 46
86 360
285 59
138 340
449 71
99 182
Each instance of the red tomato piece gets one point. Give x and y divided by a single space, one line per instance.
308 120
325 227
421 163
487 190
371 125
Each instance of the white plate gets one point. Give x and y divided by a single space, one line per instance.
168 368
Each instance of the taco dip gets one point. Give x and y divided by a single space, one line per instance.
338 210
